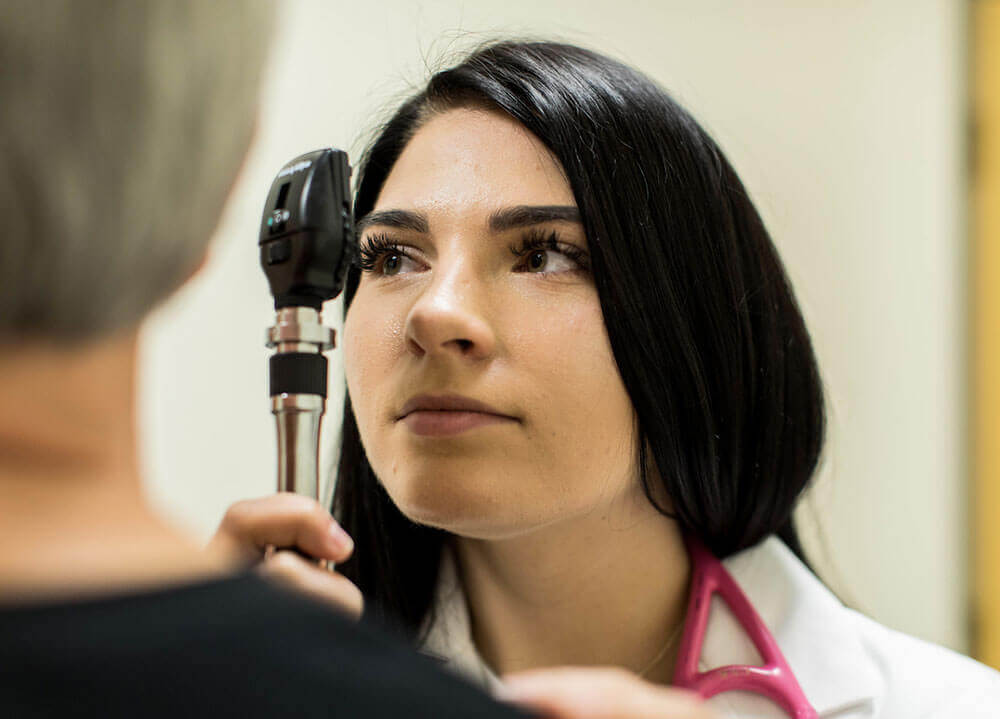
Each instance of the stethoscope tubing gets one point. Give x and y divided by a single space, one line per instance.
773 680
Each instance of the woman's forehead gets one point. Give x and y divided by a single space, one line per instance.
473 161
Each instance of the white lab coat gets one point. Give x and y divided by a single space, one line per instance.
847 665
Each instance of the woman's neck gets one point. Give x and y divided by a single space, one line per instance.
73 518
607 589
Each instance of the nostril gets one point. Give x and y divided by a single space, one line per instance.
447 331
414 347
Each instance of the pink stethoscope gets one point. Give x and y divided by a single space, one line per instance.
773 680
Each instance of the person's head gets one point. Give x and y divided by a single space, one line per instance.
636 326
124 125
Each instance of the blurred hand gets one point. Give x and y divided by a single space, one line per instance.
291 522
586 693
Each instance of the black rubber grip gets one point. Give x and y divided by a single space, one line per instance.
298 373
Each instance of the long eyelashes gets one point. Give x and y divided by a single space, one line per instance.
373 252
377 248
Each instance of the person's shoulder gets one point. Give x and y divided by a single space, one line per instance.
238 645
926 681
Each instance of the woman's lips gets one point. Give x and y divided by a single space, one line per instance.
445 415
445 423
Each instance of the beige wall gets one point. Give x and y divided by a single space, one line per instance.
844 118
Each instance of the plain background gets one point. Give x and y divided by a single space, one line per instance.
845 119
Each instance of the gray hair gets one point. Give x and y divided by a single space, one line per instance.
123 124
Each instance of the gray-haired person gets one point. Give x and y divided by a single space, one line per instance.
122 127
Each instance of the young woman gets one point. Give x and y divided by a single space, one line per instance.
569 346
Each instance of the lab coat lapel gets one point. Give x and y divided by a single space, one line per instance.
812 629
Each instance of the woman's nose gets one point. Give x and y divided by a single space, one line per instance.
447 320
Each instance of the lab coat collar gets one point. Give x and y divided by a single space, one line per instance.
815 632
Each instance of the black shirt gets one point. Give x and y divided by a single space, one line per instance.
234 647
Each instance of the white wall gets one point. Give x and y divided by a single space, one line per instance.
844 119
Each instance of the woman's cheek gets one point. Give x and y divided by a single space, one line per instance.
351 354
577 347
360 365
590 384
374 342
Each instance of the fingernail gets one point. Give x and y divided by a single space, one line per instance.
341 538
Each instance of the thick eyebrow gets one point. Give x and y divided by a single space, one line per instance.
400 219
508 218
511 218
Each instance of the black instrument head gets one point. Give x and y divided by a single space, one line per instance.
307 231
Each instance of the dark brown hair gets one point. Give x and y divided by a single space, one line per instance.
702 320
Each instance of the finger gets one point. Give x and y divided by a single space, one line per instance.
286 520
330 588
599 693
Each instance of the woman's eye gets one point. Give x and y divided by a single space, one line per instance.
395 262
543 261
383 257
543 254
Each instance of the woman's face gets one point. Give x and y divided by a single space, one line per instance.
479 369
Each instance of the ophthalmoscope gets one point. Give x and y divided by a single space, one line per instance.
306 245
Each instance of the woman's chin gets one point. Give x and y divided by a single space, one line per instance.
463 514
